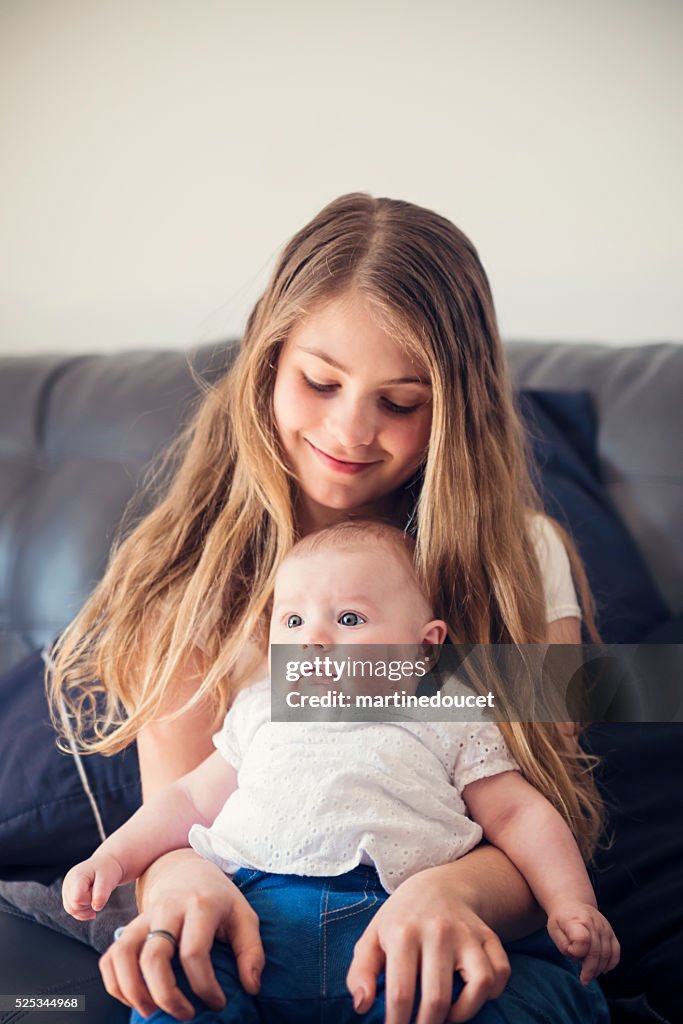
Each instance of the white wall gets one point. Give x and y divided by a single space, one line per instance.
157 153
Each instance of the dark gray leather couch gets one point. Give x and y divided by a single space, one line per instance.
76 434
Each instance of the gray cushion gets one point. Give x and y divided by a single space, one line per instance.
637 395
77 432
76 435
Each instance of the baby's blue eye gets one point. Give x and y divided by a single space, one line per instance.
350 619
293 621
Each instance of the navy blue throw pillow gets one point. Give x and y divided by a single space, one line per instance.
47 820
562 426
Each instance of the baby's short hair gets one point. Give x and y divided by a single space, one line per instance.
351 532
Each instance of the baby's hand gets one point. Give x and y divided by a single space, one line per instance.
582 933
88 885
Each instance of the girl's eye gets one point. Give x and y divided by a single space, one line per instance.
400 409
316 386
293 621
326 389
351 619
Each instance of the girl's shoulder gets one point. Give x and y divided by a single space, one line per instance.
249 707
547 541
247 713
251 695
553 560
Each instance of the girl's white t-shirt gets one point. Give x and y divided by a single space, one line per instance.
319 798
558 586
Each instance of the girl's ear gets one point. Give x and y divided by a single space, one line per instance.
435 633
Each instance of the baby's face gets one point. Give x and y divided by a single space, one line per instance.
354 595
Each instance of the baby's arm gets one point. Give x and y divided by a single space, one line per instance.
522 823
160 825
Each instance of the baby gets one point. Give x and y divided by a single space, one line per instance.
314 801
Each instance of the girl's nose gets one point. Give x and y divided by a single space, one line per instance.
352 424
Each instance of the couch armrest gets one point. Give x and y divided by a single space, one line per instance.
36 961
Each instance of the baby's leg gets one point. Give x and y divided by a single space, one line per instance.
308 929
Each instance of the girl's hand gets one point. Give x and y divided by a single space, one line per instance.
581 932
197 903
88 885
427 926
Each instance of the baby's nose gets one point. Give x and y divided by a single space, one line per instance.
317 646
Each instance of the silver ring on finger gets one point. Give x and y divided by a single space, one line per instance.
164 935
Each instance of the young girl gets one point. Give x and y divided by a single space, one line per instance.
371 379
292 809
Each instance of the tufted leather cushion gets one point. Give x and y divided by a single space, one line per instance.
76 435
77 432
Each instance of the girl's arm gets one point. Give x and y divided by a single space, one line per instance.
564 631
160 825
168 750
567 631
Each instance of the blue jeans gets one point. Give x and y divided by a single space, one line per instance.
309 927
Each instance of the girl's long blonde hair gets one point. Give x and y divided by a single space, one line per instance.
202 563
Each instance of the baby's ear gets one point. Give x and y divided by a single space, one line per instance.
435 632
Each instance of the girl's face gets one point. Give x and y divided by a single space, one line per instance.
353 411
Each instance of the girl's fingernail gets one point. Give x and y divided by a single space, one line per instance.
256 975
358 997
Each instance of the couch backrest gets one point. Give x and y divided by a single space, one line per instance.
638 396
77 433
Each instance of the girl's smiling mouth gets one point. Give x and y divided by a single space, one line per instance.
340 465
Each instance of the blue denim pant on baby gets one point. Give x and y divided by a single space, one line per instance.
309 927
